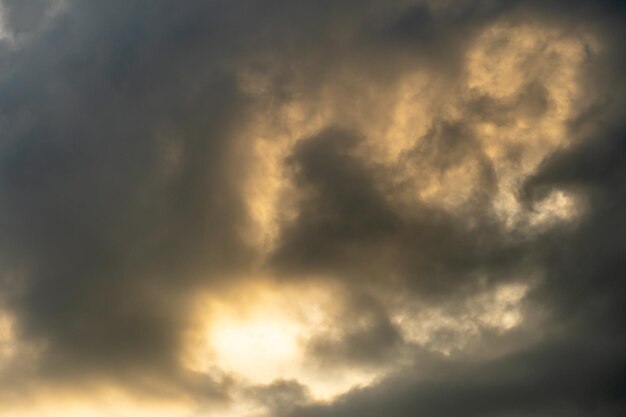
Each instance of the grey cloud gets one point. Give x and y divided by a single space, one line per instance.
106 228
122 158
578 367
281 396
366 336
24 15
552 380
348 225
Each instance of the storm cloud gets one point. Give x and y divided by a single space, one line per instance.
297 208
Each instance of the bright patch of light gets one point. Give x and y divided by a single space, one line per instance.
499 309
68 405
261 338
261 346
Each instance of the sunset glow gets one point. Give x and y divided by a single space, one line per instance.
279 208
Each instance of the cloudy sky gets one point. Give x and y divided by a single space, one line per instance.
290 208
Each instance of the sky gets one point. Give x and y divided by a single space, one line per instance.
293 208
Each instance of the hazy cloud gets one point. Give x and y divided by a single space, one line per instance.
432 191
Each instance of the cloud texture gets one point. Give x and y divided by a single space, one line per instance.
312 208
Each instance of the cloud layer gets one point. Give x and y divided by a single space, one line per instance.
291 208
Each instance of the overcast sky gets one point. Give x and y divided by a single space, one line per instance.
290 208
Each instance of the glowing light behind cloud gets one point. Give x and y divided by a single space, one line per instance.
422 241
503 62
260 334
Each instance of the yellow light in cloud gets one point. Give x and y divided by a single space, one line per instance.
7 339
261 345
98 404
260 334
498 309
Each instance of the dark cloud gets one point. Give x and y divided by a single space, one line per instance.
553 380
127 145
117 187
281 396
578 368
25 16
367 337
348 225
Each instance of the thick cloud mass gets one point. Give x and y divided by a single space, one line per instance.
446 178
